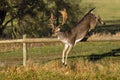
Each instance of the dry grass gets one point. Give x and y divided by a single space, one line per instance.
104 36
86 70
76 70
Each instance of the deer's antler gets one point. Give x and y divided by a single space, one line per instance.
52 21
64 15
64 18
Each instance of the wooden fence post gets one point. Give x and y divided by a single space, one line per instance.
24 51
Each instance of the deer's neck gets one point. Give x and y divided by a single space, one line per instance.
61 35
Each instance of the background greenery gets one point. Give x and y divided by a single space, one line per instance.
31 17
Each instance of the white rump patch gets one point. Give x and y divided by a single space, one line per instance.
91 12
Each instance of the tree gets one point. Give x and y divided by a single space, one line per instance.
31 17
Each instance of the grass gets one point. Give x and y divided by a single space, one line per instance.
107 9
87 61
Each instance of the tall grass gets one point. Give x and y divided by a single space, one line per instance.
104 36
76 70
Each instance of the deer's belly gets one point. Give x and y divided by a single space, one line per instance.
78 40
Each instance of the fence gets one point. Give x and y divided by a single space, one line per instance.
26 40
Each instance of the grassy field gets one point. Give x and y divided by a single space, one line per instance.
87 61
107 9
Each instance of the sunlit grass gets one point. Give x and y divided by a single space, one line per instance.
107 9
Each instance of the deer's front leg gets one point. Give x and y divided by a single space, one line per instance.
68 51
64 52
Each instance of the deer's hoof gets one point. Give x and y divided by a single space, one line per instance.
65 65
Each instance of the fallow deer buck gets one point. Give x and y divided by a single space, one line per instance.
76 34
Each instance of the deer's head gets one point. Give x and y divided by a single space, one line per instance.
56 29
100 20
94 19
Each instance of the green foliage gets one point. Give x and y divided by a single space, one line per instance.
31 17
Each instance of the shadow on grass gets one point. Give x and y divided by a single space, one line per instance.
95 57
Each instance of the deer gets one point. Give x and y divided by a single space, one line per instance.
76 33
